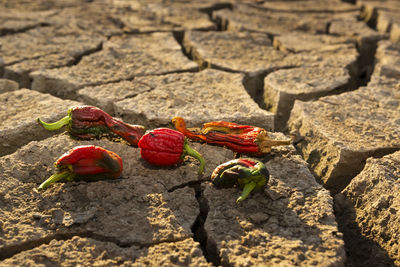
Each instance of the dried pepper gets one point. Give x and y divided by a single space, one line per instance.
87 122
165 147
246 173
87 163
244 139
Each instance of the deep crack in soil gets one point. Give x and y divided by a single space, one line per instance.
178 35
360 251
210 250
357 246
88 52
222 25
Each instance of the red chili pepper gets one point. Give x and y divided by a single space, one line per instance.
88 163
88 122
167 147
242 139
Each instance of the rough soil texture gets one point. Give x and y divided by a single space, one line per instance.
122 58
283 87
292 216
342 131
19 110
369 206
325 72
209 95
39 48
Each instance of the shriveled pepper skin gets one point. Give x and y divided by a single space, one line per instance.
166 147
88 163
244 139
88 122
91 160
131 133
248 174
162 147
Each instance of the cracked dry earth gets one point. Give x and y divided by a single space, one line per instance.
325 71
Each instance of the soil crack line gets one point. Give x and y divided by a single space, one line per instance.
189 184
306 11
365 63
221 24
179 35
210 250
4 32
9 251
254 84
79 57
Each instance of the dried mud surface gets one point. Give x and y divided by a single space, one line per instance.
325 73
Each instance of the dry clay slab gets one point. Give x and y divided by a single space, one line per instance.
161 16
310 6
44 48
370 204
283 87
290 222
255 52
91 251
384 15
14 20
318 50
341 132
235 51
276 22
122 58
19 110
209 95
41 4
388 60
8 85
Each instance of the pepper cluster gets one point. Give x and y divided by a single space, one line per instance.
162 147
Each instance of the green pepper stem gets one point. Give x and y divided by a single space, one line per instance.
191 152
54 178
56 125
246 191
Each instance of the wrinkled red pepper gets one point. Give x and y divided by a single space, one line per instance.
242 139
88 122
248 174
88 163
167 147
